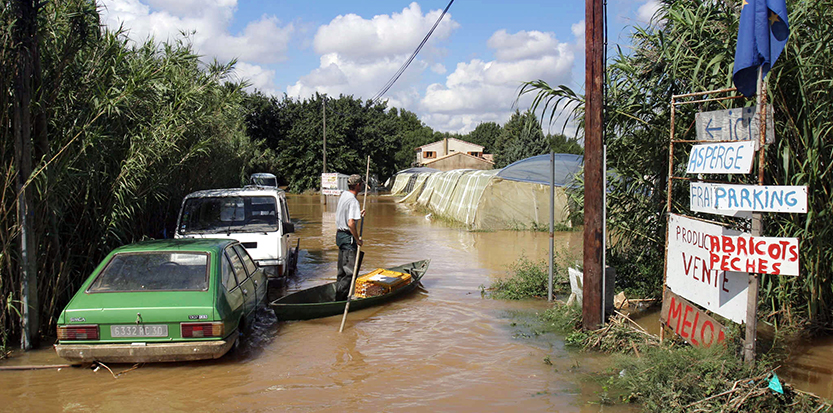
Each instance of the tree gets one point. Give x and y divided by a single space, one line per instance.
120 133
562 144
485 135
520 138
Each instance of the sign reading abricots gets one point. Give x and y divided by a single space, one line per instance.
689 322
690 273
765 255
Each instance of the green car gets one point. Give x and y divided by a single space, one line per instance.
164 300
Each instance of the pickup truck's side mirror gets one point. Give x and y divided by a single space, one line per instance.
288 227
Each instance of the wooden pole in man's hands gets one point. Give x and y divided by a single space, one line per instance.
358 251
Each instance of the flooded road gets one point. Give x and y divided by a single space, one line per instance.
443 348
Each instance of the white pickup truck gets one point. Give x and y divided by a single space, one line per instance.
256 216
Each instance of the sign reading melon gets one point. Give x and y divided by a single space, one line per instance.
688 322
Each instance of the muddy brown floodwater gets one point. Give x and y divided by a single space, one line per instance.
444 348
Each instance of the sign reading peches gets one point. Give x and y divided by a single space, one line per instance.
728 199
690 274
765 255
734 125
689 322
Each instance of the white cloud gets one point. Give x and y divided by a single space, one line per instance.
258 77
438 68
261 41
359 55
522 45
337 75
646 11
356 38
480 91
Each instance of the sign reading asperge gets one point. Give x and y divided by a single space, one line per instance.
727 199
690 273
741 124
688 322
721 158
765 255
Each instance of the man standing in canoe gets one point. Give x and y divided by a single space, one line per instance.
348 214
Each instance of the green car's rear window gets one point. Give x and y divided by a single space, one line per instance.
153 271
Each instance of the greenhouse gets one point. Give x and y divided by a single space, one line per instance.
515 197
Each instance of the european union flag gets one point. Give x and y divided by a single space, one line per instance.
762 35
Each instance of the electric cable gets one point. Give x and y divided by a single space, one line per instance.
407 63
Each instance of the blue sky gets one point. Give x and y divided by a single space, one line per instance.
467 73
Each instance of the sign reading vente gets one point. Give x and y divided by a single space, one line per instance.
688 322
690 273
727 199
734 125
721 158
766 255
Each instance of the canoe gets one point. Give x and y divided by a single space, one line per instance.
320 301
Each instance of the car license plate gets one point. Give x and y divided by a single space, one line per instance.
139 330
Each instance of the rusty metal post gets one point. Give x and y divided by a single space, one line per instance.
594 72
668 209
750 342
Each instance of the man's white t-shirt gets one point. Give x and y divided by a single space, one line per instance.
348 208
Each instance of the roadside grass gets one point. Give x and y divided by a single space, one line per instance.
5 351
668 376
536 227
529 279
674 377
685 379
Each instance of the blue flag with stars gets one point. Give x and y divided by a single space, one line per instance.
762 35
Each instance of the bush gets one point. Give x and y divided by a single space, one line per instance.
668 379
528 279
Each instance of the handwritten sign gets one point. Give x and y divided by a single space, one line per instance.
333 183
690 273
765 255
721 158
688 322
727 199
734 125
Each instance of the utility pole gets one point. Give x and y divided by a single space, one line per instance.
593 174
24 37
324 114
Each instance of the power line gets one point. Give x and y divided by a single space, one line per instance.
407 63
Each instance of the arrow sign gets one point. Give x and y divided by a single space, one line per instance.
710 129
734 125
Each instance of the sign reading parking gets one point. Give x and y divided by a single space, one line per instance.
728 199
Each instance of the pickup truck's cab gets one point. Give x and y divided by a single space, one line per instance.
256 216
263 179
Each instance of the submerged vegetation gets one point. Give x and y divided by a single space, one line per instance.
529 279
668 376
